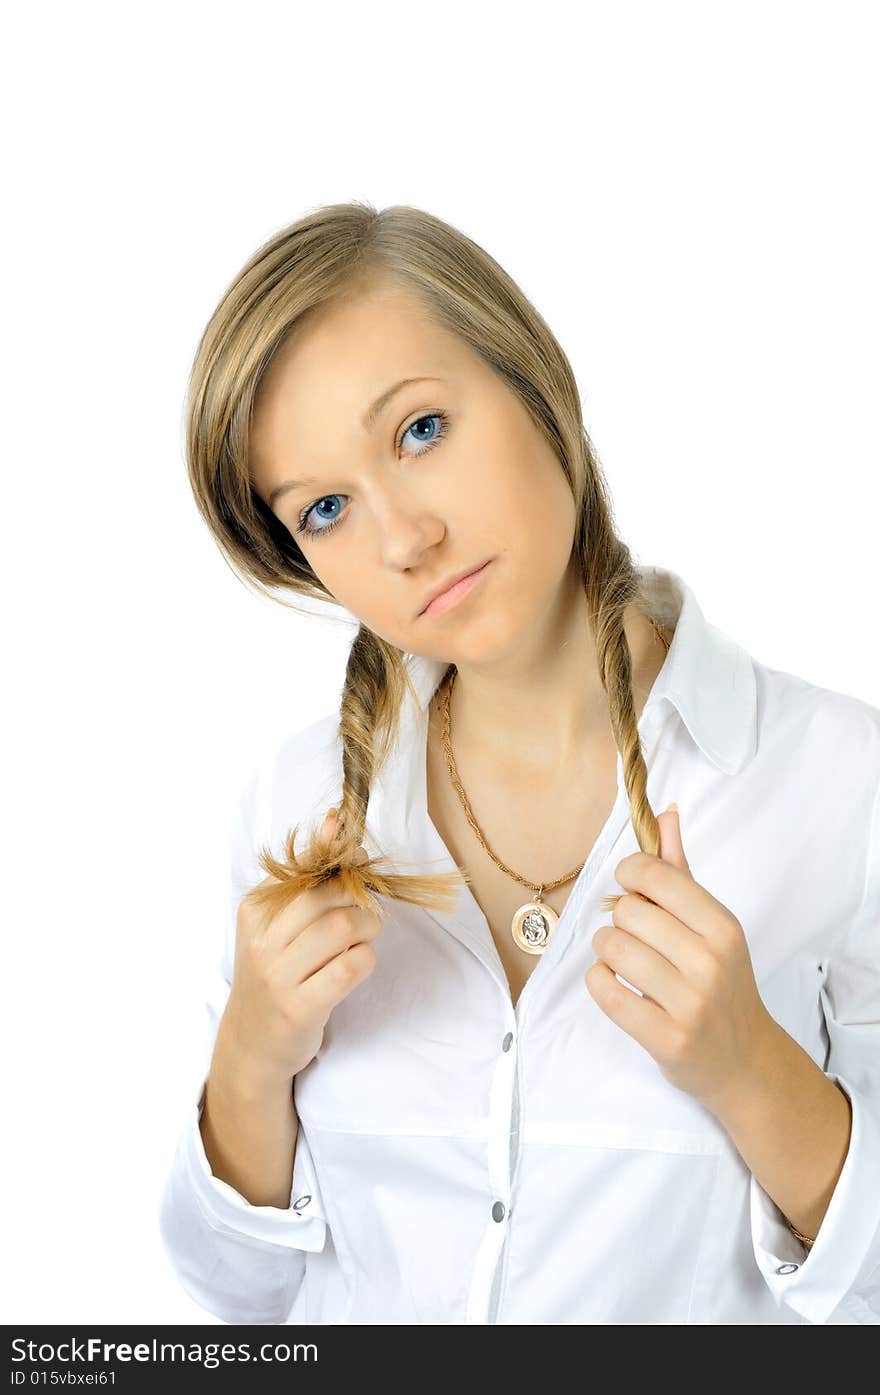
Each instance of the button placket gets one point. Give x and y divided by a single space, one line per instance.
498 1145
500 1117
499 1210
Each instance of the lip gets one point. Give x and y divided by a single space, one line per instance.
454 584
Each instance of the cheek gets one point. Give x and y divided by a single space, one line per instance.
342 577
369 594
537 515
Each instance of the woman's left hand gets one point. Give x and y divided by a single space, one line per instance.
702 1017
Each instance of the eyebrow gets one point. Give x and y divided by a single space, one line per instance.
368 419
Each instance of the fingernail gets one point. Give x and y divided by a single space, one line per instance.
672 808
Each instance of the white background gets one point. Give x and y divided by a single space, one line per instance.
686 191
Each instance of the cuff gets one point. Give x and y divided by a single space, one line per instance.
847 1247
302 1226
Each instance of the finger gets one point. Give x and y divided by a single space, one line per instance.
325 939
688 951
646 970
322 991
293 919
674 890
641 1018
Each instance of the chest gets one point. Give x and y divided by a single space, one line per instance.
541 833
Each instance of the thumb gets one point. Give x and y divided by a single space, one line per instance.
671 848
328 828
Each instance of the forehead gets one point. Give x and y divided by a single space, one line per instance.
358 341
337 359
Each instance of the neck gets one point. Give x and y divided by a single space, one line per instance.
539 714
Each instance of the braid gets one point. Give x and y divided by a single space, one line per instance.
615 666
376 679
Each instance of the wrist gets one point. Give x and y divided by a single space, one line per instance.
237 1075
744 1091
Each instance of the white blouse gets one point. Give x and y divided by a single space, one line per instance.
462 1161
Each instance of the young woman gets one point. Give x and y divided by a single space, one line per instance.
493 1042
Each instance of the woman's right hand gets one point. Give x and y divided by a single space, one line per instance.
289 975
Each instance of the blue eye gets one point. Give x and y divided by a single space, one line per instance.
310 531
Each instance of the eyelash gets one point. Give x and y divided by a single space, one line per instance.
305 529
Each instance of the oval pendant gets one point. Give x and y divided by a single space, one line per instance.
532 926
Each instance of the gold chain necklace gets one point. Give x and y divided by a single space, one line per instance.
534 921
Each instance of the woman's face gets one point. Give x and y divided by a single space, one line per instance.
451 473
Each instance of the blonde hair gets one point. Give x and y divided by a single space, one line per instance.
328 255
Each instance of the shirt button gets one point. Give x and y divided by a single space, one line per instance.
505 1045
498 1211
786 1268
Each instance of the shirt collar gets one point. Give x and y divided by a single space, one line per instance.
707 677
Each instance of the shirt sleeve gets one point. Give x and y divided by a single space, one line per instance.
838 1280
243 1263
